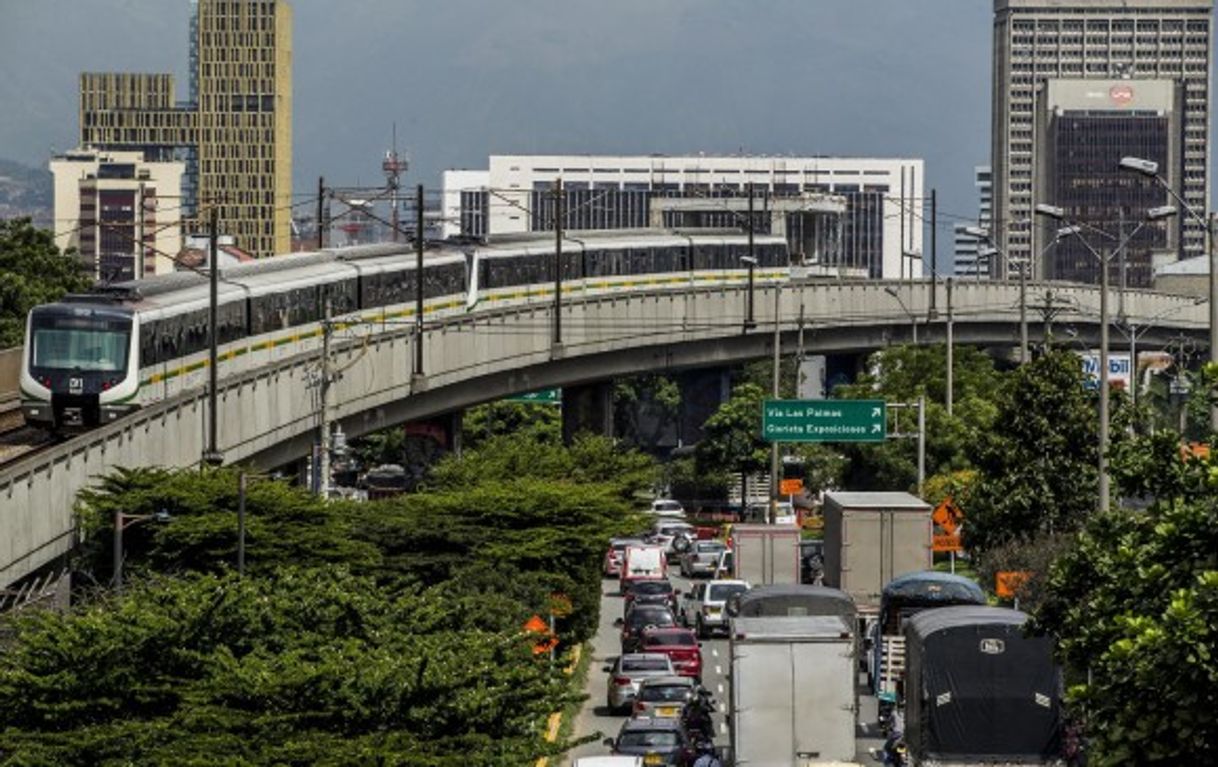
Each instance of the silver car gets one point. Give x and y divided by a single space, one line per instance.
701 558
628 672
705 605
664 697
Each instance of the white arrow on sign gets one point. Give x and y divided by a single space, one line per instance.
875 428
875 412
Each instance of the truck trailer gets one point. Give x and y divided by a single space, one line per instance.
793 691
765 554
871 538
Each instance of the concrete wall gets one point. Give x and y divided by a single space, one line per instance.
10 373
268 417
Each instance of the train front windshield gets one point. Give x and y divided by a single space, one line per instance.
79 343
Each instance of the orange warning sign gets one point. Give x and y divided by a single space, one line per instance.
1008 582
791 486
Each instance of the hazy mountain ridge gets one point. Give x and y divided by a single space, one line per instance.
26 191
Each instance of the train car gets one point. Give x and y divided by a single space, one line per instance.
92 359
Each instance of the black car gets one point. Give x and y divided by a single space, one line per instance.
641 617
658 741
652 592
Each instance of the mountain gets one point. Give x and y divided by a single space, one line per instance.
26 191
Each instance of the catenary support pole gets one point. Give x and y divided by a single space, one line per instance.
1213 254
558 232
921 444
322 481
241 523
934 257
1023 313
321 212
1103 431
418 280
212 456
949 393
775 472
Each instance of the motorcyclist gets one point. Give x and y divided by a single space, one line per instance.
697 715
894 746
707 757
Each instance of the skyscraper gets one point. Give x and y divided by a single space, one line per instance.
234 133
968 261
1037 41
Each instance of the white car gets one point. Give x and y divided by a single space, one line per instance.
705 605
608 761
666 531
665 507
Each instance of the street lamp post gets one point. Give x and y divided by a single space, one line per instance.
1104 258
913 319
1150 168
122 522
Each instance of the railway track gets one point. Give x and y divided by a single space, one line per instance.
16 439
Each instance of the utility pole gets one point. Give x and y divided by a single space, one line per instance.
1103 446
921 444
241 523
212 456
138 266
558 227
774 462
418 280
1048 331
118 552
750 323
321 212
321 482
933 311
1023 312
951 348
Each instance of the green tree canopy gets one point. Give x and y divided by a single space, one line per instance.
732 440
35 272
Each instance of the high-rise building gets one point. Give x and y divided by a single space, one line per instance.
881 231
968 249
1037 41
119 212
235 132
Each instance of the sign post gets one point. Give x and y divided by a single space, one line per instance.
844 420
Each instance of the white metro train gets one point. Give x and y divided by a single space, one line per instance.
93 358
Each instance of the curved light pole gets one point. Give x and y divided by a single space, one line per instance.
913 320
1150 168
1075 230
1135 330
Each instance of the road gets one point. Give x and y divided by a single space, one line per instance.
595 717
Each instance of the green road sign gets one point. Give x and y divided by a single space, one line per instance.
544 396
824 420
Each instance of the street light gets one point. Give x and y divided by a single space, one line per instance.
122 522
1133 331
749 322
1075 230
913 319
1150 168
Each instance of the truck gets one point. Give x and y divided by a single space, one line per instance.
871 538
765 554
793 696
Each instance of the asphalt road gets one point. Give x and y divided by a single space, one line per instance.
595 717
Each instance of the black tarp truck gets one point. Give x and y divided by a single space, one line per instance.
978 691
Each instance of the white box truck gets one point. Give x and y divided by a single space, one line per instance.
793 691
765 554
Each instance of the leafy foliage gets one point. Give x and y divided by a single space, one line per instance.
1134 606
732 439
1037 473
525 421
35 272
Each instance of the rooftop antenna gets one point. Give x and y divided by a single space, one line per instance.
394 167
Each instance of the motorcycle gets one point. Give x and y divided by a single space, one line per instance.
696 718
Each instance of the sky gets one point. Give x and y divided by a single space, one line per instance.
463 79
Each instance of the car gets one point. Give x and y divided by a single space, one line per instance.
650 592
705 606
642 617
616 552
658 741
726 569
641 563
680 645
666 507
628 672
664 697
666 533
701 558
608 761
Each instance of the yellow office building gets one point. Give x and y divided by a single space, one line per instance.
235 131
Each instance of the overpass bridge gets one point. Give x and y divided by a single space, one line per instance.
268 417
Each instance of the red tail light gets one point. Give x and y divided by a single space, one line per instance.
621 681
45 381
105 385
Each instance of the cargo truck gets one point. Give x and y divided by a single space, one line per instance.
792 691
871 538
765 554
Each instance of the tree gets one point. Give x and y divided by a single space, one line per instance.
645 409
732 439
538 422
1037 473
1133 604
35 272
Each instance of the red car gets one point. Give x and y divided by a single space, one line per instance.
680 645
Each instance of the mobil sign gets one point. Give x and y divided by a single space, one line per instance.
1120 372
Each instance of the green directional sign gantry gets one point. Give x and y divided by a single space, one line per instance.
544 396
824 420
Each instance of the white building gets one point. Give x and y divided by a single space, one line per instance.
883 218
108 202
967 248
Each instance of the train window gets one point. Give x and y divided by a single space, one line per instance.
341 295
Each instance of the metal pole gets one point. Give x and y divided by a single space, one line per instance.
241 523
321 211
913 320
921 444
1103 440
1048 332
934 256
774 472
1023 313
212 456
322 483
418 280
1209 243
118 552
558 227
750 323
1133 368
951 348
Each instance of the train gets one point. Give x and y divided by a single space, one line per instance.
92 359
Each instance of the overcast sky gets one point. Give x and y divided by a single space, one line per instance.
467 78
